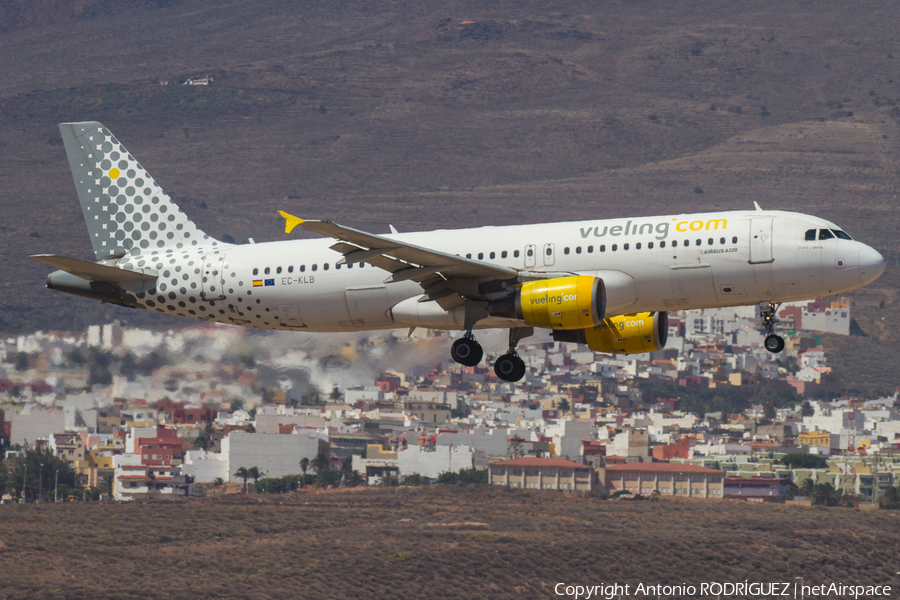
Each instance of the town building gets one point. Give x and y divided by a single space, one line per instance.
668 479
542 474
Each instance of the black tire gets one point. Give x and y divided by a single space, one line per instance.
774 343
506 366
466 352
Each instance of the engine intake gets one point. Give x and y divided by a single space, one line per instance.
576 302
625 334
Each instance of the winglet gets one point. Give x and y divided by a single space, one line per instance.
756 204
290 221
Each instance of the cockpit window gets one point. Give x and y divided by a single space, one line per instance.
824 234
810 235
841 234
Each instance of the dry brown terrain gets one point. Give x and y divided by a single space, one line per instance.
437 542
448 114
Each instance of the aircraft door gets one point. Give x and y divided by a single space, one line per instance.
290 315
368 306
549 255
530 252
692 285
213 280
761 240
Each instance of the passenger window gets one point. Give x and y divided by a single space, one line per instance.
674 243
734 240
624 246
711 241
577 249
256 271
325 266
268 270
699 241
602 248
614 247
361 265
824 234
590 249
841 234
810 235
530 252
315 267
480 255
291 269
637 246
278 270
650 246
503 254
549 251
566 250
302 268
721 240
349 265
662 244
515 254
493 254
469 255
336 267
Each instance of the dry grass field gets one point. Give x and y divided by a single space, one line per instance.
462 542
449 114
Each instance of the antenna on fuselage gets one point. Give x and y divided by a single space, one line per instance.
756 204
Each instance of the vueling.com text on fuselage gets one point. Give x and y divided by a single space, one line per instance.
660 229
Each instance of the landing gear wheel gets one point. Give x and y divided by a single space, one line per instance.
509 367
466 351
774 343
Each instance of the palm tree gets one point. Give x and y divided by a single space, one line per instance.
244 474
304 465
824 494
807 488
322 462
563 406
254 473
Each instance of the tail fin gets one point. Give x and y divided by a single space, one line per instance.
125 209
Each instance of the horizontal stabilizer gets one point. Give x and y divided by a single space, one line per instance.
94 271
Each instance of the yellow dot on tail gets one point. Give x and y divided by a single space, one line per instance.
113 173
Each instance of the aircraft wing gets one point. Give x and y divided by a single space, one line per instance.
441 275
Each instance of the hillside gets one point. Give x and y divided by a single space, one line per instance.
449 114
436 542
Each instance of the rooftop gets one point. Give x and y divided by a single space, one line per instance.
661 467
540 462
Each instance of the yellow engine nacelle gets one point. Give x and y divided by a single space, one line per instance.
625 334
576 302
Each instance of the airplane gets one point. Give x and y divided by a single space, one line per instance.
608 283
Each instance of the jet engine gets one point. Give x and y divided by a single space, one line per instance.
625 334
575 302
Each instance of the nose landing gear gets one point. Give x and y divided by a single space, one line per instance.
768 313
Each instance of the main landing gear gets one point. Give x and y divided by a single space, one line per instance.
466 351
767 311
509 367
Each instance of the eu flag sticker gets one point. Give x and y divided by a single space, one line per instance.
270 282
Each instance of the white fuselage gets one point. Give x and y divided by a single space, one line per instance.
647 263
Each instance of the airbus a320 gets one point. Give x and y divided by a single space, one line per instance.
604 283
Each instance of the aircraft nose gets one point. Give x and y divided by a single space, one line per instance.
871 264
